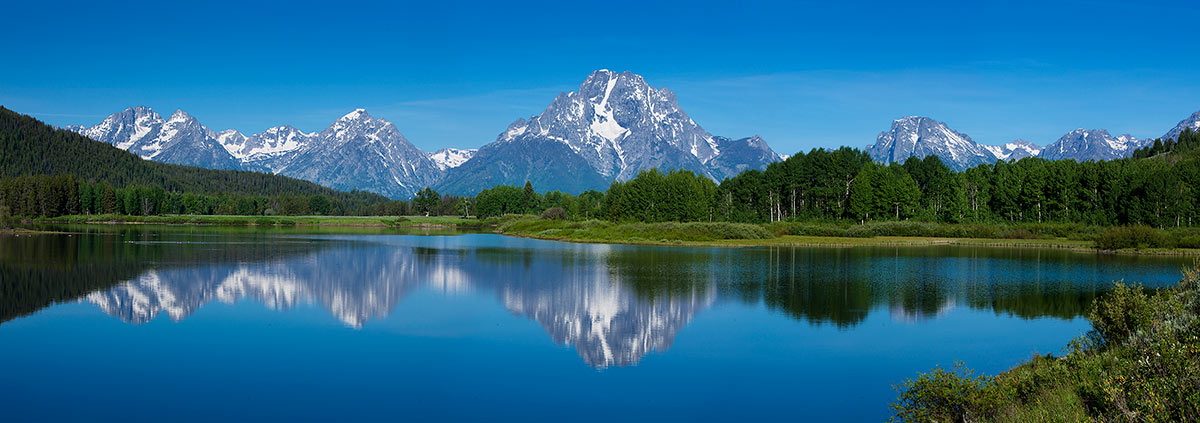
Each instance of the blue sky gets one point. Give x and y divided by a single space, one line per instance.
801 74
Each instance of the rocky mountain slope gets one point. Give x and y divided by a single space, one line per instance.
614 126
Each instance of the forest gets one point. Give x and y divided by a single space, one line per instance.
49 172
1160 188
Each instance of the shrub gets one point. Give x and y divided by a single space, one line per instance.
1135 236
1122 311
554 213
1191 241
944 396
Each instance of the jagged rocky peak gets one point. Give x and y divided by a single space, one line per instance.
181 121
358 151
1192 121
359 123
125 128
230 136
180 139
921 136
614 120
1091 144
356 115
266 144
740 155
1015 150
448 158
614 126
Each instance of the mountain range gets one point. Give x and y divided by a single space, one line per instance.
922 136
614 126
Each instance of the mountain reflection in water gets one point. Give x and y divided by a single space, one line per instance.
612 304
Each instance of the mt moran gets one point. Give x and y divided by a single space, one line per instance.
613 127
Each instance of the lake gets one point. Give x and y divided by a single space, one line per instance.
145 323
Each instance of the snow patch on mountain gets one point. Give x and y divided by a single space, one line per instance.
619 126
1092 144
1016 150
448 158
921 136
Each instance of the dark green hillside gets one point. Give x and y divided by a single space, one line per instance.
30 147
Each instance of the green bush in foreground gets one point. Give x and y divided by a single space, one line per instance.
1140 362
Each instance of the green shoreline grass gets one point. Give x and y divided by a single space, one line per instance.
716 234
750 235
369 221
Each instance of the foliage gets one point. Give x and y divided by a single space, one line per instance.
648 233
554 213
944 396
426 202
652 196
1131 236
844 185
1138 363
1189 140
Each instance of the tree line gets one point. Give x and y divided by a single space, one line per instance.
58 195
1162 190
49 172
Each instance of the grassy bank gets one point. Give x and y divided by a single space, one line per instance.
1123 239
375 221
1078 237
631 233
1140 362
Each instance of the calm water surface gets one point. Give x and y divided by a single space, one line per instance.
174 324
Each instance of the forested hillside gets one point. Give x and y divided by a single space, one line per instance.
59 171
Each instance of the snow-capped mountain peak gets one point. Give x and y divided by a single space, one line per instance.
921 136
180 116
180 139
1091 144
233 141
357 114
1015 150
267 148
614 126
614 121
126 128
1192 121
367 153
448 158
